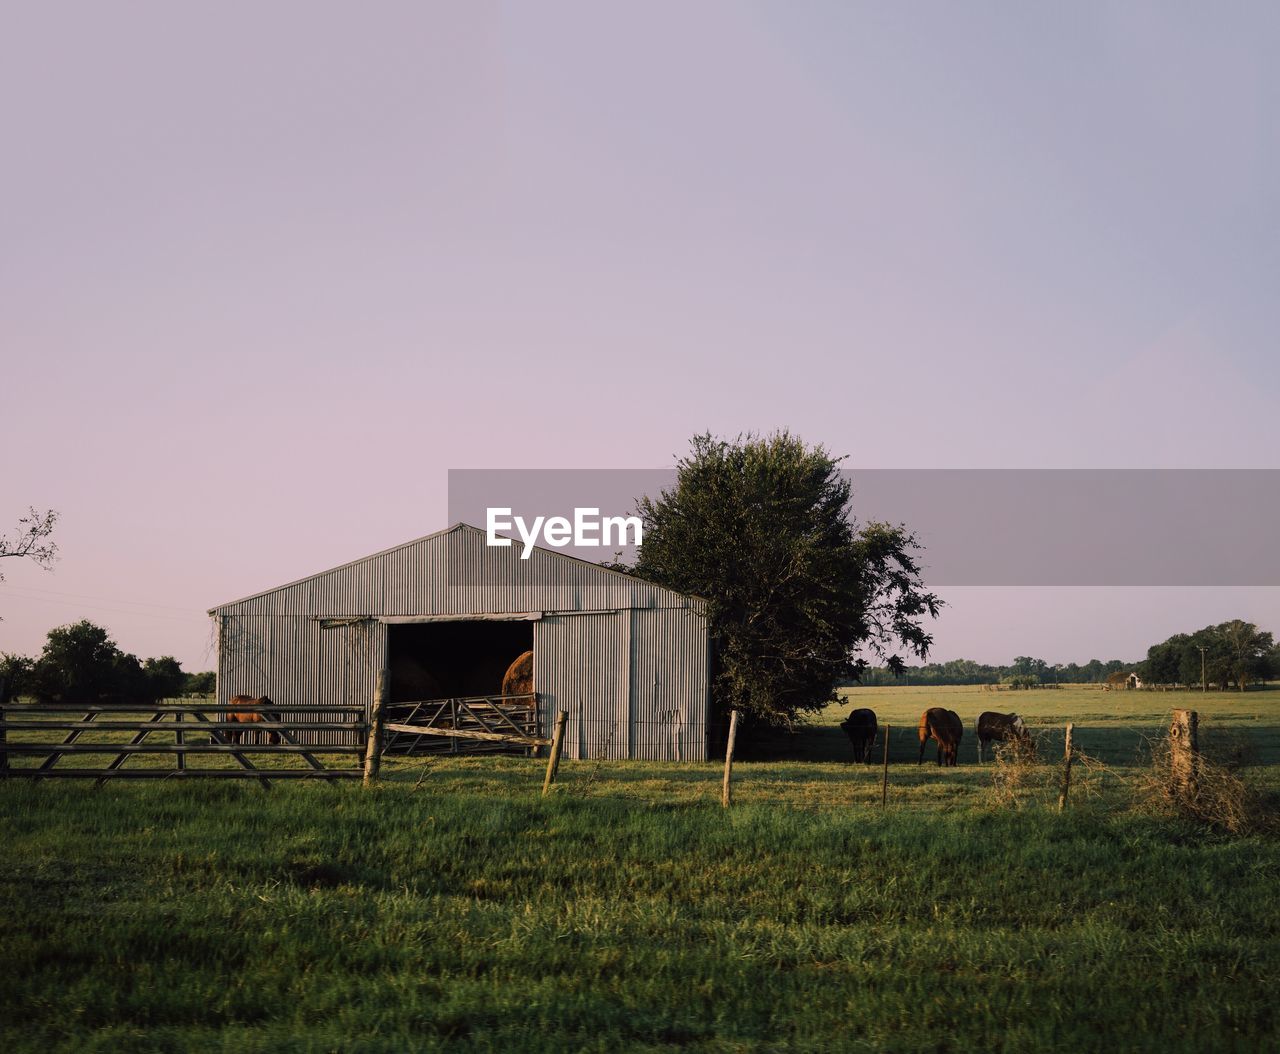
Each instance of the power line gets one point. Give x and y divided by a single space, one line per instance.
88 596
9 594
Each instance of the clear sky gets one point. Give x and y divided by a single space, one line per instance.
269 270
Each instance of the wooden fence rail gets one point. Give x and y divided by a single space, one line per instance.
196 730
34 738
464 725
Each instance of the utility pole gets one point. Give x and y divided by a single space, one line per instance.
1204 685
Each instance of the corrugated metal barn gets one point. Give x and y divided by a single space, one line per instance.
445 614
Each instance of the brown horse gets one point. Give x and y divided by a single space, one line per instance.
1001 728
944 726
252 718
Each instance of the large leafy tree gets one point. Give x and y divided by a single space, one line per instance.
1234 652
82 664
1026 666
1203 656
762 529
1247 651
15 675
204 683
1163 664
162 678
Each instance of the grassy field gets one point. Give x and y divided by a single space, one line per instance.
452 908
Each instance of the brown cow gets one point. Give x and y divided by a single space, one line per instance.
1001 728
944 726
860 726
251 717
518 680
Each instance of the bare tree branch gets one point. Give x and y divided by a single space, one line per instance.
32 539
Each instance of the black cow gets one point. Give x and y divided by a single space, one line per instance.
860 726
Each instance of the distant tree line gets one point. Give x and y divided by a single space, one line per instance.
1024 672
1232 654
1236 654
81 664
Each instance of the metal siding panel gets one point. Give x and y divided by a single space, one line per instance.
634 683
290 666
546 680
646 689
581 664
296 662
669 684
243 656
328 681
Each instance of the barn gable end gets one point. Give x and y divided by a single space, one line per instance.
455 572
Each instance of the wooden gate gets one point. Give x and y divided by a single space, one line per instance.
200 734
470 725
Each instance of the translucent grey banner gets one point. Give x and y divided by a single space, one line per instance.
979 527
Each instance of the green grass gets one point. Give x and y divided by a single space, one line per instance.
629 912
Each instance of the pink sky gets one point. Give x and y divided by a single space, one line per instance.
268 271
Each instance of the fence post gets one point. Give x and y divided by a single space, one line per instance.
728 757
373 744
553 762
1066 770
1184 751
179 742
884 780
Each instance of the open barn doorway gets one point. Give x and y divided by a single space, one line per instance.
439 660
455 659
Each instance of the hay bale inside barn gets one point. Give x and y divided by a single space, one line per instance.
446 615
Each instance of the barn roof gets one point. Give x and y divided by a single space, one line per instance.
455 572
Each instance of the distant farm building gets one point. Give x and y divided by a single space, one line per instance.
444 616
1121 679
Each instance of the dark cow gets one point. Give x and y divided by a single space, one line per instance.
409 681
860 726
944 726
251 718
1000 728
